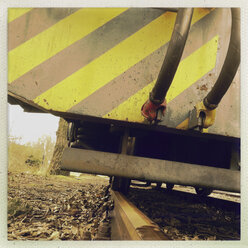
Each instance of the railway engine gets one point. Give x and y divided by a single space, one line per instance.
150 94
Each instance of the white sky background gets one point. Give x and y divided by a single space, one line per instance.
30 126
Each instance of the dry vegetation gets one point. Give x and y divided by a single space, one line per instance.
58 207
44 206
31 157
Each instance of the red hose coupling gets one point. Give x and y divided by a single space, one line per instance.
150 110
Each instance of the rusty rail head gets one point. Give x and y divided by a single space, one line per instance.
129 223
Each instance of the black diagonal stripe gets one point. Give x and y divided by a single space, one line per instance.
141 74
17 29
82 52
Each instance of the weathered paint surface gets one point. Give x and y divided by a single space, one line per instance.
103 62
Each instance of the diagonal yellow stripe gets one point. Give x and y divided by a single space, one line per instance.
14 13
184 78
54 39
111 64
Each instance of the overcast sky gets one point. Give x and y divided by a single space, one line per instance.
30 126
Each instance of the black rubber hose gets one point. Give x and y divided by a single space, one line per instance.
230 65
173 55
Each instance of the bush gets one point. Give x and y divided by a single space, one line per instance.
30 157
33 162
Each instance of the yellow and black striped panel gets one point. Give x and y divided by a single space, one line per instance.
103 62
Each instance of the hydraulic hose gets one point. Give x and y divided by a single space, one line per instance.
173 55
230 65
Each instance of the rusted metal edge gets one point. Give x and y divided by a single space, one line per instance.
169 9
135 127
129 223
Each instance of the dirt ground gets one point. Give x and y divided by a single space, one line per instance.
77 208
58 207
183 216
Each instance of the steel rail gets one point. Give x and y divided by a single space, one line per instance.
129 223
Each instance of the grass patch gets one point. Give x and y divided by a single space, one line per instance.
31 158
